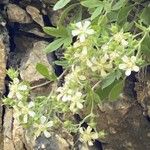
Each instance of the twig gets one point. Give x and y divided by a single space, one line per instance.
48 82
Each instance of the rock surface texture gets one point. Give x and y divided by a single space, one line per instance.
126 122
4 46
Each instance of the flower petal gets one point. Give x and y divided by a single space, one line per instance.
125 59
82 37
49 124
128 72
43 119
19 96
90 31
79 25
31 113
25 118
22 87
136 68
79 105
90 143
31 104
95 136
122 66
47 134
86 24
76 32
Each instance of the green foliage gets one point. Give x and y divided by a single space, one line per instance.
63 38
110 42
60 4
145 16
43 70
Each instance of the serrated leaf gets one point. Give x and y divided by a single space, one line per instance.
97 12
60 4
116 91
54 45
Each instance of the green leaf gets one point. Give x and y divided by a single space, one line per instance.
67 41
60 4
145 45
63 63
91 3
116 90
93 97
145 16
43 70
123 14
56 32
54 45
97 12
108 80
119 4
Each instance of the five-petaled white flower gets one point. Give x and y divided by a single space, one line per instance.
43 127
119 37
76 102
16 88
102 65
87 135
129 64
24 110
83 30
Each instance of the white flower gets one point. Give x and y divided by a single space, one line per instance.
100 65
87 135
26 110
113 55
43 127
16 89
129 65
76 102
83 30
124 43
119 37
104 47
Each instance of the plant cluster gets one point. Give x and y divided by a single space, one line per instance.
100 52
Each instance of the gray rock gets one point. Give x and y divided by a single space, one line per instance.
36 55
17 14
53 143
4 1
125 125
3 56
35 15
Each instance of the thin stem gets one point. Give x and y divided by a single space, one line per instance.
48 82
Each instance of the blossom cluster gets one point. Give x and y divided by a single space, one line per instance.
95 55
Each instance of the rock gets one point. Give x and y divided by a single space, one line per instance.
28 67
3 54
55 142
17 14
35 15
125 125
143 90
8 122
4 1
49 1
28 70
